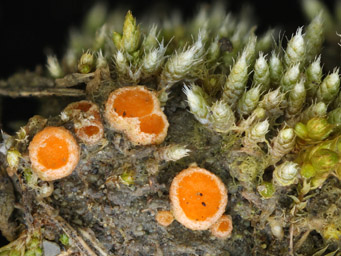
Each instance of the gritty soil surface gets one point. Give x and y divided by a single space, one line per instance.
119 218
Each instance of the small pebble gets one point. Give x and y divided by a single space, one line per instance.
50 248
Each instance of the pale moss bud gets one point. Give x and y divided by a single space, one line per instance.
250 49
312 8
180 65
130 39
131 34
282 144
271 102
259 113
249 101
221 117
21 136
290 78
197 101
173 152
134 74
100 38
217 13
45 189
255 134
313 77
318 128
238 35
276 226
266 189
152 60
13 158
200 19
95 18
265 41
315 110
296 99
227 26
329 87
126 73
203 36
261 75
101 61
70 60
150 41
276 69
121 63
236 81
259 130
54 67
314 38
334 116
295 52
286 174
77 42
86 62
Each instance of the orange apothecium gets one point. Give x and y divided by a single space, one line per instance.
198 198
136 111
54 153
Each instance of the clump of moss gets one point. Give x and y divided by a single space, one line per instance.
273 136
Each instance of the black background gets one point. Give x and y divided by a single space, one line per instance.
30 29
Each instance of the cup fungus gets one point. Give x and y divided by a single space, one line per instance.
136 111
198 198
54 153
223 227
87 121
164 218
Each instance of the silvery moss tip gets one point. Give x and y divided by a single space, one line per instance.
286 174
295 51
